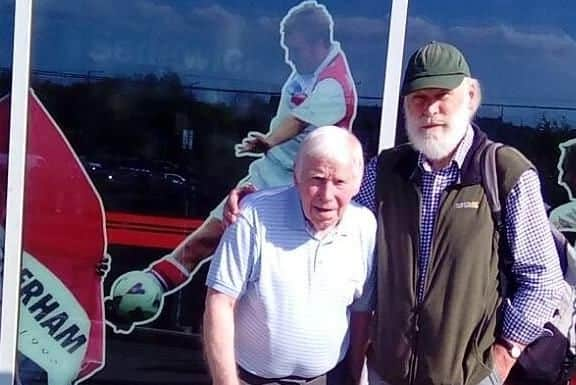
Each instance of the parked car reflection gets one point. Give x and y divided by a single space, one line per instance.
143 186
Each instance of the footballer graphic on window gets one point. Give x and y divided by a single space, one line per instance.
319 91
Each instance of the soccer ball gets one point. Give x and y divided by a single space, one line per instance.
136 296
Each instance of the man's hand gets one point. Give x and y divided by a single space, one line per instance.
503 362
231 208
255 143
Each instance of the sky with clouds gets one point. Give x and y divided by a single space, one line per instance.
523 52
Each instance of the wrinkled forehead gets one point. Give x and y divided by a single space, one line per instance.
335 163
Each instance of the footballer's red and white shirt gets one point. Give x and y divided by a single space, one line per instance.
326 97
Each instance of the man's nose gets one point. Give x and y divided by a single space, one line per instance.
327 191
432 108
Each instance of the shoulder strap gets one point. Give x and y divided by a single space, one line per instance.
490 180
491 186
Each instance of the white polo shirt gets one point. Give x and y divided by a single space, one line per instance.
294 292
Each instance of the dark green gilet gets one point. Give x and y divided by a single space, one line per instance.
447 338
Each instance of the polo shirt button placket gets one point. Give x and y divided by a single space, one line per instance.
318 260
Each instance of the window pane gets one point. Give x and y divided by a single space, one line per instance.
6 37
136 114
6 40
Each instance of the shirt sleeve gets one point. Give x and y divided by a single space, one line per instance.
535 268
324 106
367 300
367 194
233 262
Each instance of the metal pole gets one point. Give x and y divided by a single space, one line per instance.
15 191
393 74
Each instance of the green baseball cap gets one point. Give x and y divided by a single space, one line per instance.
435 65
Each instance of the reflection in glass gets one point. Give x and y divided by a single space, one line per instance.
144 116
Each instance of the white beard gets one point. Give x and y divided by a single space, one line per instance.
438 145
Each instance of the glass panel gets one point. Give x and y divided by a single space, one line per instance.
524 63
6 41
136 115
6 38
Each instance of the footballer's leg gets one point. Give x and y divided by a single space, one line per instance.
200 244
173 270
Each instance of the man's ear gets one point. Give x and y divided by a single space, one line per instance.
474 93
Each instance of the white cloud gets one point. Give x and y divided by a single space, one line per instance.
419 28
216 14
269 23
545 42
227 28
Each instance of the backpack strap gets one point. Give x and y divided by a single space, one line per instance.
492 188
490 181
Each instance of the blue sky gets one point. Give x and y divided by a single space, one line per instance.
529 13
523 52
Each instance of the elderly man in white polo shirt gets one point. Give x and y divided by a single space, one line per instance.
290 286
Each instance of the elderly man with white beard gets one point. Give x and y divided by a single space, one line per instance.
440 317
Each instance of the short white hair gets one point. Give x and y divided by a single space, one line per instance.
332 143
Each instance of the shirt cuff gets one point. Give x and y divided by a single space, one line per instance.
517 328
